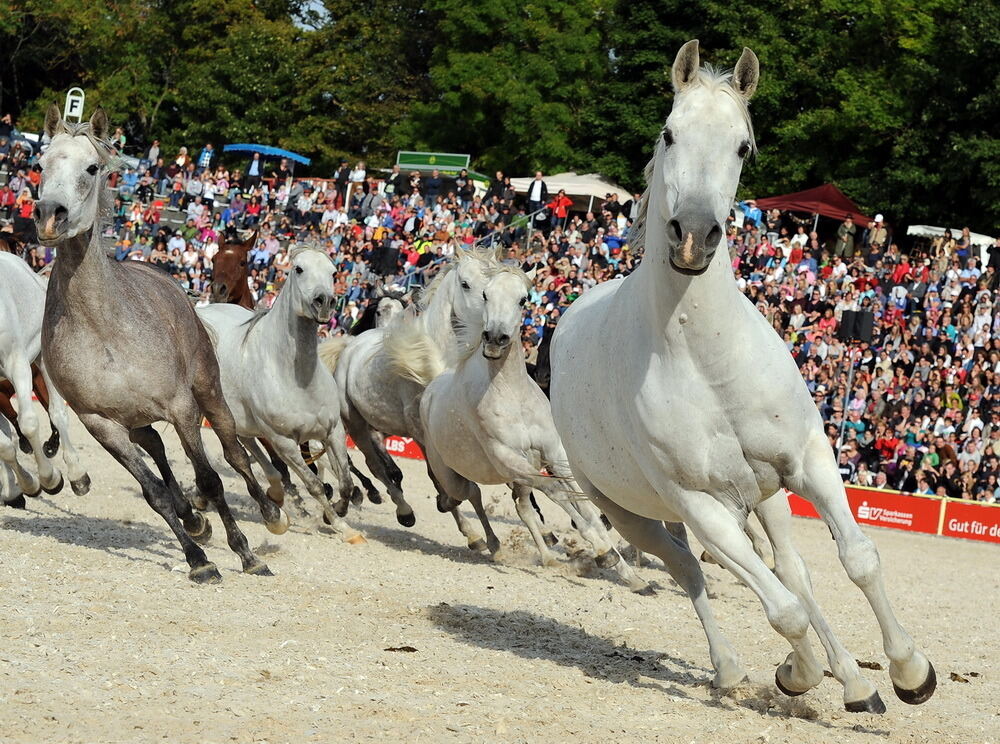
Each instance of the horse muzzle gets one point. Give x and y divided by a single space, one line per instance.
495 344
322 308
692 242
51 220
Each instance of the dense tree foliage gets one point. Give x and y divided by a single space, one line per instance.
896 101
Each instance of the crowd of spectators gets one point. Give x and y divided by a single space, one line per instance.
919 412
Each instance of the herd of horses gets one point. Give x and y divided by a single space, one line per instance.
674 405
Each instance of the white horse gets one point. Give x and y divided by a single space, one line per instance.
22 305
273 381
10 491
486 421
678 403
376 401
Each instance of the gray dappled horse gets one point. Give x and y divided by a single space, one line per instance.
125 348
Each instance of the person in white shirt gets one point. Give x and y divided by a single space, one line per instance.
538 193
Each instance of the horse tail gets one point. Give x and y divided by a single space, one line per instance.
329 351
413 355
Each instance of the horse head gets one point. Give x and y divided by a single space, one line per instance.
310 284
503 309
73 192
696 167
229 271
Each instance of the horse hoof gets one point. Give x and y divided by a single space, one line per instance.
25 446
207 574
786 690
550 539
478 546
922 693
328 490
276 496
374 496
407 520
722 684
56 488
17 502
258 569
871 704
607 560
81 487
34 494
203 532
357 498
198 501
50 448
493 545
341 507
280 525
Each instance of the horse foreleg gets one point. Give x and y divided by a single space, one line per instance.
528 515
20 377
79 480
7 411
795 675
26 481
40 385
913 676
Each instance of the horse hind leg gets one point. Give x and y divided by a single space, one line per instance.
669 543
522 503
115 439
792 677
913 677
209 483
213 406
372 446
275 477
450 494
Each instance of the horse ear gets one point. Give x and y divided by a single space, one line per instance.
251 241
99 123
53 121
686 65
379 289
532 274
746 73
460 252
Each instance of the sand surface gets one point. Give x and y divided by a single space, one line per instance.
106 640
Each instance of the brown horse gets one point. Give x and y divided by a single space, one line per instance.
123 345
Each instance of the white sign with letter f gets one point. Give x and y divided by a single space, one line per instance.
74 104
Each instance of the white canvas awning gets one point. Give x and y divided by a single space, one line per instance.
587 191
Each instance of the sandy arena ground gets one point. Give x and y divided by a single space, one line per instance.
106 640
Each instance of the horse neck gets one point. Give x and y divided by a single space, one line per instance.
82 273
244 297
436 317
708 302
291 336
510 369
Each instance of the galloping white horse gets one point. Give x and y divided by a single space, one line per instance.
485 421
273 381
677 402
22 305
377 401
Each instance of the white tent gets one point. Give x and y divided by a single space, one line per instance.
586 190
930 231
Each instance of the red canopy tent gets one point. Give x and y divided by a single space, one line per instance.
826 200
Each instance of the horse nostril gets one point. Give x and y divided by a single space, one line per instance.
61 212
486 336
676 227
713 237
503 340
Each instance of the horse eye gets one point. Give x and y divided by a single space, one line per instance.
465 285
744 149
298 269
668 138
523 300
92 170
484 296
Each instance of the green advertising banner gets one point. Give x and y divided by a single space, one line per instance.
427 160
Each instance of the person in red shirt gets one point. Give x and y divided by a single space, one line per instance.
560 208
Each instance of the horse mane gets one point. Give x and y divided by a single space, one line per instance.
434 286
715 80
